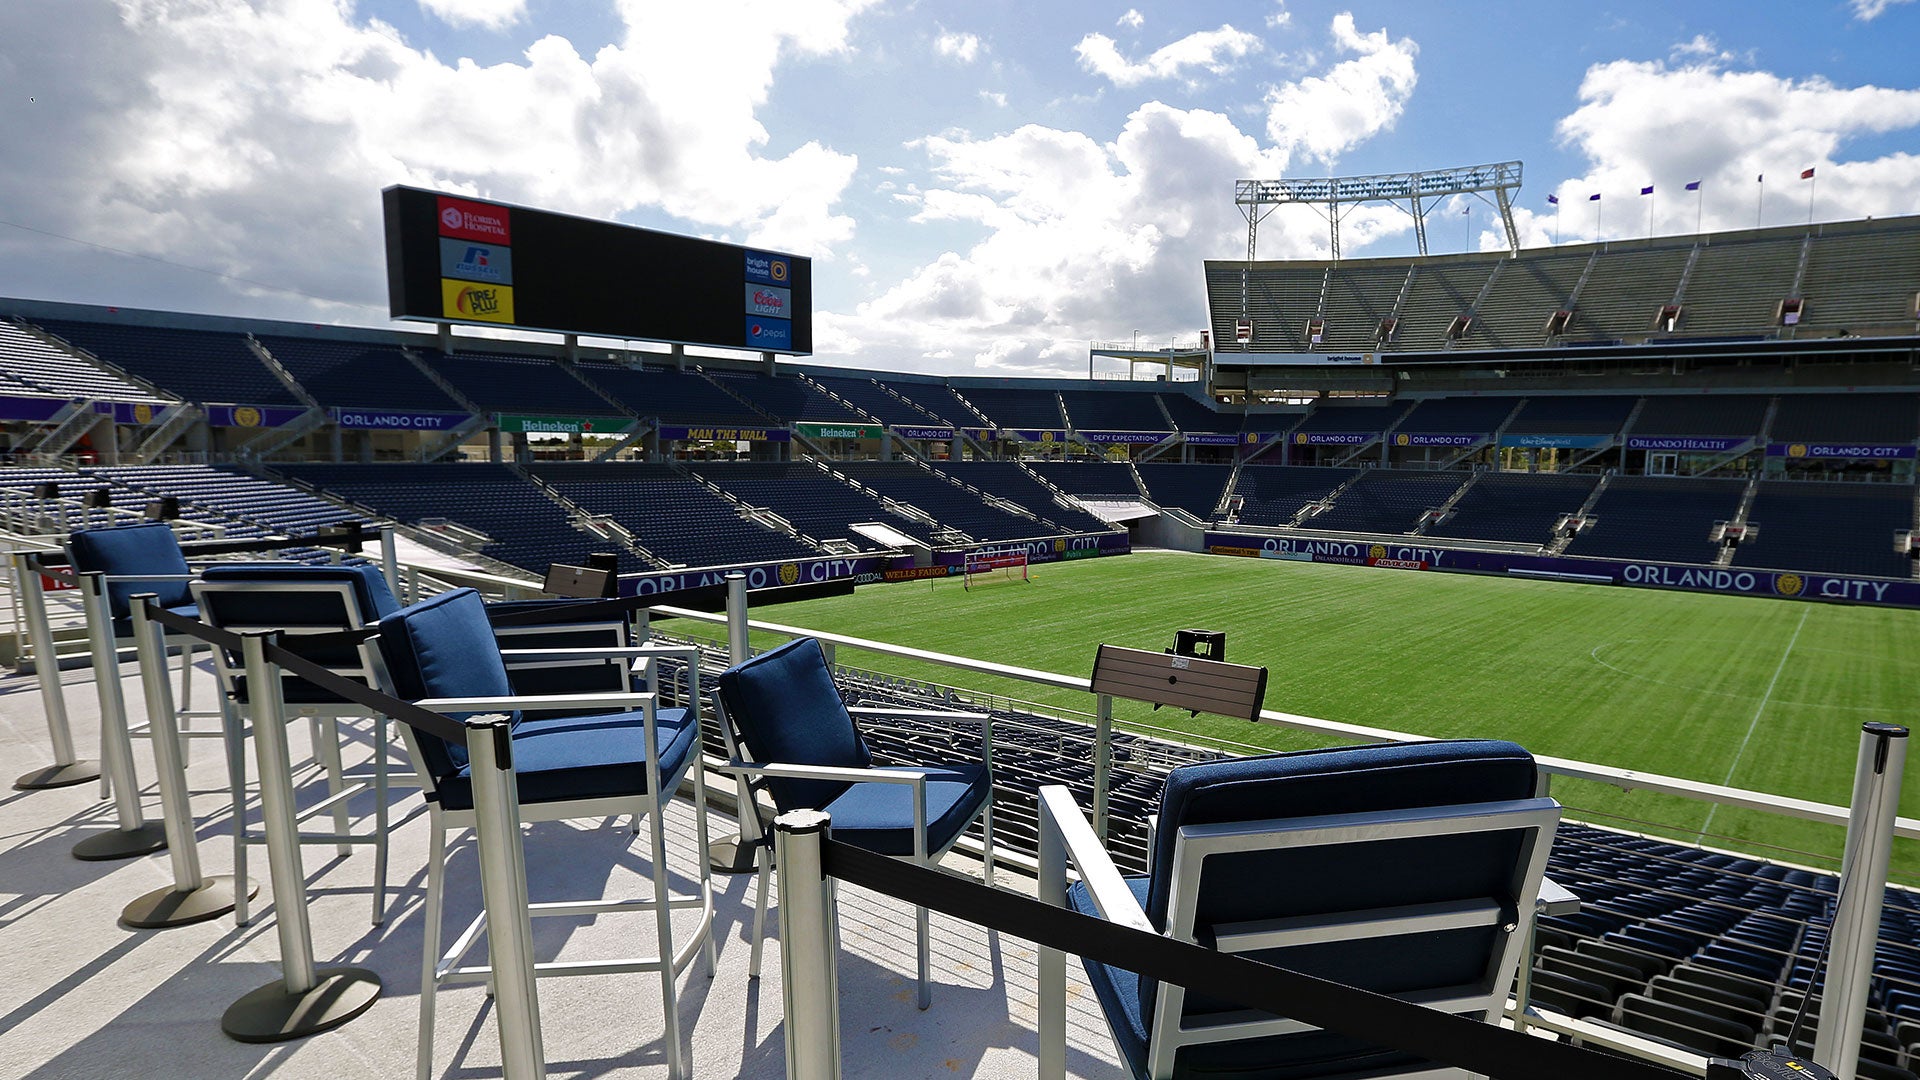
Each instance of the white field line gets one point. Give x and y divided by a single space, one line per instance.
1755 724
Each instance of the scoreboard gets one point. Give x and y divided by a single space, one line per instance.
457 260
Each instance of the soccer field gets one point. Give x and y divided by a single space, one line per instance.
1754 693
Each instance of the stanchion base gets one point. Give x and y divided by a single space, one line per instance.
272 1014
54 776
122 843
166 907
730 856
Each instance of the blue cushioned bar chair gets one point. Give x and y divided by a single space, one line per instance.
141 559
1409 869
600 755
788 732
300 601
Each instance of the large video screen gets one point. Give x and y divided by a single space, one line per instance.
459 260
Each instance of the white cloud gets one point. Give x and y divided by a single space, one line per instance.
1869 10
252 137
1206 50
962 47
1280 16
1325 115
1132 20
1667 124
488 14
994 98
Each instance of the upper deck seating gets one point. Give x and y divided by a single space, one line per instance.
671 515
1847 418
1371 418
1010 407
868 396
1573 415
1115 410
358 375
1275 493
518 384
1094 479
816 503
676 397
788 398
935 399
1461 416
1737 416
207 366
1193 415
31 368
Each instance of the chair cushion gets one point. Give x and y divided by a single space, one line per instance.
879 817
129 551
585 757
784 704
369 583
443 647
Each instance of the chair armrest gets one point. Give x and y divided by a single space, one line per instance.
536 702
1555 899
1111 896
151 577
826 772
601 652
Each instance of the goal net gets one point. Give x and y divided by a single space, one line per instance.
991 565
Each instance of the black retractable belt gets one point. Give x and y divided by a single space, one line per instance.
1347 1010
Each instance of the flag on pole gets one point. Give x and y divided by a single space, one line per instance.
1693 185
1807 174
1648 190
1761 179
1595 197
1553 200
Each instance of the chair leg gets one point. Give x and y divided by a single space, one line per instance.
763 860
663 924
430 942
379 820
921 931
986 831
328 747
233 738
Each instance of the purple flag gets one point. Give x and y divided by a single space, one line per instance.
1648 190
1553 200
1693 185
1595 197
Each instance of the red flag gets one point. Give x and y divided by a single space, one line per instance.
1807 175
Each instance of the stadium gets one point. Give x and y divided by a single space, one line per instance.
1645 508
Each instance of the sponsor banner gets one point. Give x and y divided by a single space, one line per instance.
1556 442
1733 580
916 573
469 220
1334 438
769 335
1684 443
867 568
766 269
839 431
942 433
1215 438
252 416
1129 438
769 300
469 301
30 408
1263 359
1034 435
563 425
982 434
1437 438
470 260
124 412
371 420
1243 552
1839 450
1398 564
725 434
1054 549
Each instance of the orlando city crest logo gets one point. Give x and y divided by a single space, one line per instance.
1789 584
789 573
1377 551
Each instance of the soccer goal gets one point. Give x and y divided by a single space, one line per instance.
989 565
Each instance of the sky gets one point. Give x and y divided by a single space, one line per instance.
984 188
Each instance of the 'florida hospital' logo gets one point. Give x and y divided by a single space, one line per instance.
789 573
1789 584
450 217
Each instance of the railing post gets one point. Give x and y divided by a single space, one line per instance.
1053 962
503 888
30 601
192 897
1102 761
809 985
738 650
304 1000
135 834
1863 885
389 559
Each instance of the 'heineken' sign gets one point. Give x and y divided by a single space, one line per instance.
560 425
838 431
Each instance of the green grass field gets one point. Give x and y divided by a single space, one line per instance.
1755 693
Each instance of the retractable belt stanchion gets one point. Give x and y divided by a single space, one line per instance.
305 1000
192 897
135 834
503 887
809 991
1863 886
735 854
67 768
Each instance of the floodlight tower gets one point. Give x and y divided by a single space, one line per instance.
1413 192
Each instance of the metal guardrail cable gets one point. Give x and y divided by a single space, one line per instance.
325 678
1347 1010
